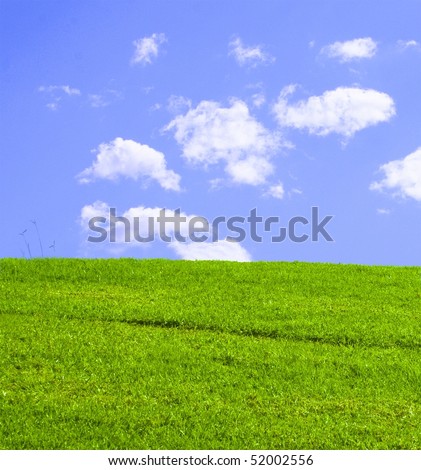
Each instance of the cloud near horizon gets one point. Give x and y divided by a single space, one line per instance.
221 250
142 214
188 250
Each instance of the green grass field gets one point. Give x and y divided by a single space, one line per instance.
158 354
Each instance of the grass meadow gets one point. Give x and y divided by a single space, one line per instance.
159 354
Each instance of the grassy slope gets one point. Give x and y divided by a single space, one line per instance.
159 354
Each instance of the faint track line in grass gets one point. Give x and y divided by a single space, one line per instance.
174 324
252 333
246 333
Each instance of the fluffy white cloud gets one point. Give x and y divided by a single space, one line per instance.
139 220
219 250
97 209
210 134
251 170
276 191
130 159
402 177
343 111
361 48
147 48
249 56
142 216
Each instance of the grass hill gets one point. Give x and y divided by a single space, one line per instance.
158 354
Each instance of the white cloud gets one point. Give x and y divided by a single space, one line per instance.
210 134
56 93
276 191
155 107
251 170
296 191
362 48
189 250
258 99
219 250
142 214
104 98
97 101
402 177
130 159
97 209
146 224
66 89
53 106
178 104
147 48
343 111
216 183
248 56
383 211
408 44
147 89
70 91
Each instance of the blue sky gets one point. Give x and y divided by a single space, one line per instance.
214 108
